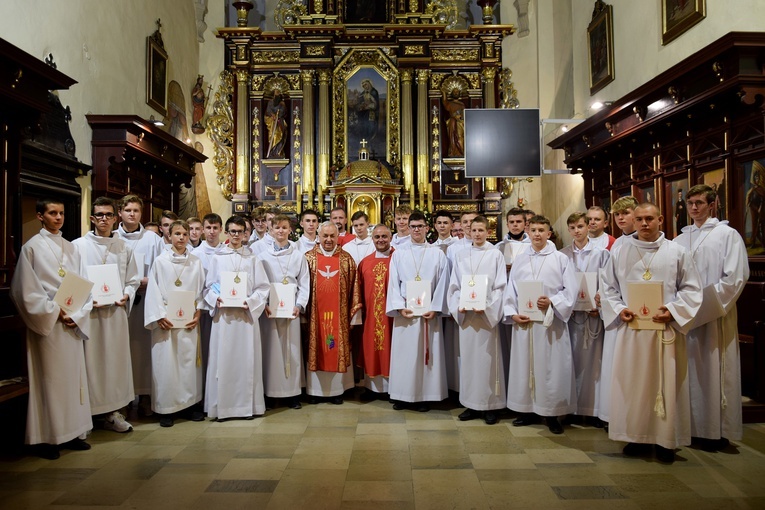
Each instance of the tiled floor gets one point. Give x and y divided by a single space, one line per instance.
366 455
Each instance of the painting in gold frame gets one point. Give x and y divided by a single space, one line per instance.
677 16
156 76
600 46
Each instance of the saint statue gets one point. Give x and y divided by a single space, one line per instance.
276 126
455 124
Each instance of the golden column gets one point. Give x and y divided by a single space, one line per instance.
325 77
242 133
487 77
407 132
308 147
422 137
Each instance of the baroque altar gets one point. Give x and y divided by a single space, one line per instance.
355 109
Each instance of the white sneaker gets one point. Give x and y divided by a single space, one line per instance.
117 423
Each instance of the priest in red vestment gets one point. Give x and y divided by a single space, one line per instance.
375 347
334 299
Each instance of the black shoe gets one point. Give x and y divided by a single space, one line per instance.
467 415
597 422
522 420
490 417
554 425
636 449
398 405
197 416
423 407
369 396
313 400
75 444
665 455
46 451
167 421
338 401
294 403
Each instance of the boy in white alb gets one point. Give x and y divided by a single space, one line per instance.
541 369
58 415
235 370
282 351
585 327
482 385
107 352
175 352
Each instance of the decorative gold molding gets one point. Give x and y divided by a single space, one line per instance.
241 75
275 57
422 76
296 150
474 79
507 90
315 51
288 12
318 6
471 207
414 49
435 135
456 55
444 12
294 80
221 129
257 81
488 74
255 144
275 82
347 67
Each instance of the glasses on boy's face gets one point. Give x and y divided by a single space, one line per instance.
235 232
102 215
417 227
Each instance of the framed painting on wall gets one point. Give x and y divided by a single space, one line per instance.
675 210
600 46
677 16
156 75
754 206
645 192
367 113
716 179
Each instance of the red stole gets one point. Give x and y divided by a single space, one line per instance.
328 308
375 351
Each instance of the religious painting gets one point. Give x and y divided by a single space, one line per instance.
366 11
754 206
366 113
675 210
716 180
645 193
677 16
156 75
600 44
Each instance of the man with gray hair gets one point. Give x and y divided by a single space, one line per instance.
334 299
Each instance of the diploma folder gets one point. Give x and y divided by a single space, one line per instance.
180 307
107 285
233 293
281 300
588 287
73 293
418 296
644 300
473 297
529 293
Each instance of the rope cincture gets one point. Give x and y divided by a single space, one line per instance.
659 407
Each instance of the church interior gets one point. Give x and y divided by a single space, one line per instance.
221 106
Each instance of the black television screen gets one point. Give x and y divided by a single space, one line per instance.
502 142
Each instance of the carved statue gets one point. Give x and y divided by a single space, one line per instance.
198 101
455 125
276 125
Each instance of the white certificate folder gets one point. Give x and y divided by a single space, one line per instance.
418 296
644 300
281 300
107 285
473 292
529 293
73 293
588 287
180 307
233 293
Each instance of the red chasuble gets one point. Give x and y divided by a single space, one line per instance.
375 347
334 299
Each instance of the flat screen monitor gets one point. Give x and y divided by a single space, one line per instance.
502 142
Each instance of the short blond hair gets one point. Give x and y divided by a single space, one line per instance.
624 203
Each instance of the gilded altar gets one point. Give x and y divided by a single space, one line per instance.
295 107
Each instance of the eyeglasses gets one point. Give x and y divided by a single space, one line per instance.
102 215
235 232
696 203
417 227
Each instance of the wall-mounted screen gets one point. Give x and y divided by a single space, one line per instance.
502 143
